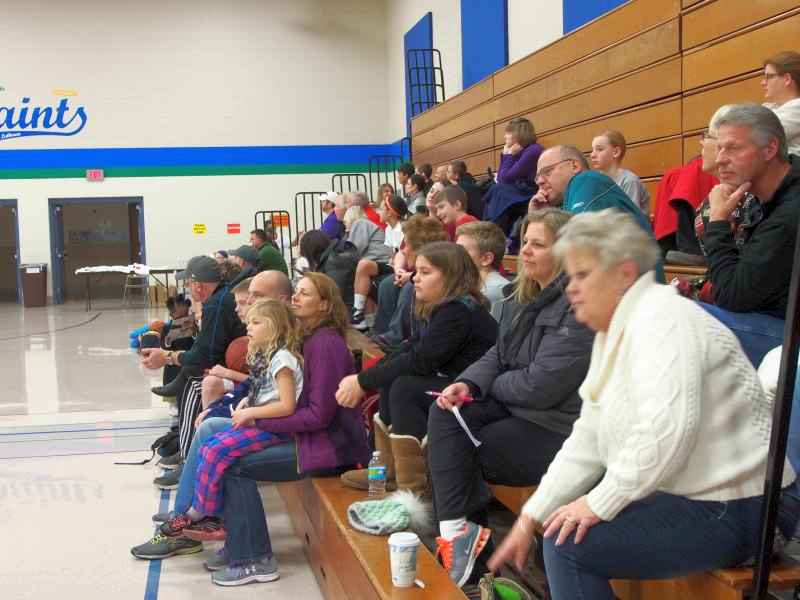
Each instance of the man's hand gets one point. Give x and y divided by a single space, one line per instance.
538 201
154 358
724 199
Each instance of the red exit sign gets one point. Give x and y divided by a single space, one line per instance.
95 175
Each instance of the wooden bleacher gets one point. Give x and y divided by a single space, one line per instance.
349 564
654 69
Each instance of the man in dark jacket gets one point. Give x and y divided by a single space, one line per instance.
247 258
750 269
219 327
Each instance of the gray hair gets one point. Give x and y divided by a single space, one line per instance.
718 114
360 199
572 153
764 126
612 236
353 214
340 201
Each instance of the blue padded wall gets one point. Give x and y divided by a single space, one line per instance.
484 38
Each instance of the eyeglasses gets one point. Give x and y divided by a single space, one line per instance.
768 76
546 171
706 135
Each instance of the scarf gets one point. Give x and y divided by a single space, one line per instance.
259 368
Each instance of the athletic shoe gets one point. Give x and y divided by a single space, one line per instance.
207 529
163 517
171 462
217 562
175 526
169 480
459 554
260 572
164 547
359 321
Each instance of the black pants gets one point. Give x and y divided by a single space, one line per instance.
404 404
513 452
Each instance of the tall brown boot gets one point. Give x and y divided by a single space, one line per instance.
411 463
357 478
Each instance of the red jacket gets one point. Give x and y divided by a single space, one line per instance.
687 183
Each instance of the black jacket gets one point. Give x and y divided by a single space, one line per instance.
457 334
756 278
540 359
219 327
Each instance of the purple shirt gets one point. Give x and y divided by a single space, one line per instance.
327 434
330 226
522 165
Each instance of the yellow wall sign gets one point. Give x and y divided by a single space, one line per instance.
199 228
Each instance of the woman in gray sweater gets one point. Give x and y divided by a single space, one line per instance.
524 392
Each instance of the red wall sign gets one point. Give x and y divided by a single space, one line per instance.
234 228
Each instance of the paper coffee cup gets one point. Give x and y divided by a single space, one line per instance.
403 558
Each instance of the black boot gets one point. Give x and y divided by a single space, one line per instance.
172 388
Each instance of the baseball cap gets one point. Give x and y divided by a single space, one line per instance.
248 253
329 197
201 268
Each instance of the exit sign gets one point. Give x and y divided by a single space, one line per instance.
95 175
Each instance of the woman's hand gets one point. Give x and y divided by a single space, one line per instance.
452 395
350 392
575 516
200 418
515 148
515 546
243 418
402 277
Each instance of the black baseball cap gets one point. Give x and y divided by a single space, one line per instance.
247 253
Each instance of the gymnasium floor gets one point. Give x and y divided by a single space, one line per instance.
75 401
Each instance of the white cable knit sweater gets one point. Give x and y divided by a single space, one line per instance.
671 404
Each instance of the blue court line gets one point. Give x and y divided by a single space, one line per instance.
154 569
49 431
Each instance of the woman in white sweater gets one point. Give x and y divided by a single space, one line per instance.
664 470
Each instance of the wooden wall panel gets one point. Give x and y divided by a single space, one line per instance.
470 121
641 87
652 122
719 18
652 187
461 103
740 54
698 108
627 20
472 143
654 158
480 162
691 147
635 53
688 3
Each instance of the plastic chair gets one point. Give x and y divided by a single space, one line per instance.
137 282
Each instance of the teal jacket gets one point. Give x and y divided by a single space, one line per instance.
591 191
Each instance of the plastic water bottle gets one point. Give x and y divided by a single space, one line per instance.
376 475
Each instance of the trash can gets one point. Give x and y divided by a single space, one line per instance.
34 284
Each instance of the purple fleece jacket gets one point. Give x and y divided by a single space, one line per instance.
327 435
519 166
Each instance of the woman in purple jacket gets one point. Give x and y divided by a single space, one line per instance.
328 439
507 200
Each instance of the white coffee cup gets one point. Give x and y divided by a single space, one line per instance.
403 558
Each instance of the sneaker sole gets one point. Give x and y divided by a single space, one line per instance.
252 579
480 543
214 568
180 552
171 486
204 536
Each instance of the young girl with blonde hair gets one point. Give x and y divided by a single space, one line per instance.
274 357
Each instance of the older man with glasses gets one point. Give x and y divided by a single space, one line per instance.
219 326
565 181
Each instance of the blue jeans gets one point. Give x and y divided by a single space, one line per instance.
388 294
661 537
245 521
207 429
400 325
758 333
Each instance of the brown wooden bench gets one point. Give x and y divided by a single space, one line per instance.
349 564
721 584
682 272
